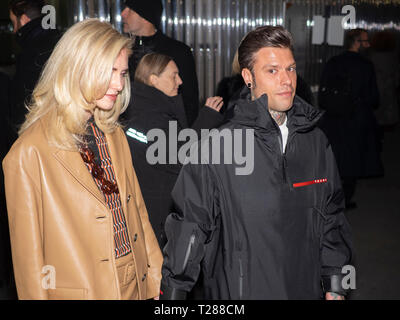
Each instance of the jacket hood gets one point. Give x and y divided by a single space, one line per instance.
302 117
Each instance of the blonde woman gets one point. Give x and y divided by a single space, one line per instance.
78 224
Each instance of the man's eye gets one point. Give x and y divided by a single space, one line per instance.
273 71
125 74
292 69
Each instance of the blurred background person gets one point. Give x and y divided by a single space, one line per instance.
142 20
349 94
386 62
35 44
156 103
82 214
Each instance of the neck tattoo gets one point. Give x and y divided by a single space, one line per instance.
279 117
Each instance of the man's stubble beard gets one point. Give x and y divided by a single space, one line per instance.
278 116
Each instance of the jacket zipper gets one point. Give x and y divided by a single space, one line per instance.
188 251
283 164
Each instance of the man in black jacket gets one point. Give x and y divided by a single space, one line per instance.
349 94
142 19
277 231
36 45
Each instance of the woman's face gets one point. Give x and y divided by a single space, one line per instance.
168 81
119 72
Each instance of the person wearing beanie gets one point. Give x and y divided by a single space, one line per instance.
142 20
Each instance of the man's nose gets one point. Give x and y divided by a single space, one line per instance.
285 78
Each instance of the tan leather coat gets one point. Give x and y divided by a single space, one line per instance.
61 228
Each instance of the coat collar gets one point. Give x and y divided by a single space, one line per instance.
29 32
147 99
73 163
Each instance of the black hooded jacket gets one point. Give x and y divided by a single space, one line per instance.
152 109
277 233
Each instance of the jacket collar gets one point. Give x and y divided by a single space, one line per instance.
302 117
73 163
147 41
29 31
157 101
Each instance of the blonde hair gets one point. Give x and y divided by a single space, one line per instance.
76 75
235 64
151 63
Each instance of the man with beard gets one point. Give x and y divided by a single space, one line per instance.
349 94
277 232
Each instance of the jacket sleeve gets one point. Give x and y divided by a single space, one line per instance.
188 230
336 242
208 119
190 86
24 206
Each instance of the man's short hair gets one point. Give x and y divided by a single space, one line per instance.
352 36
32 8
262 37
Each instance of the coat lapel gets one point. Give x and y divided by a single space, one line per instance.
74 164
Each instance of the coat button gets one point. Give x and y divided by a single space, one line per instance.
129 198
144 277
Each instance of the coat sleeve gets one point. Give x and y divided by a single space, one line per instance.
188 230
208 119
24 206
336 242
190 86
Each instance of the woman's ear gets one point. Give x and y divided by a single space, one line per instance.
153 80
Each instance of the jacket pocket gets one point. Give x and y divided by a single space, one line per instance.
68 294
188 251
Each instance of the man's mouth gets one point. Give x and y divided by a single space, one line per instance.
285 94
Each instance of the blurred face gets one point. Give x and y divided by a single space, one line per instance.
274 74
133 22
364 42
168 81
119 72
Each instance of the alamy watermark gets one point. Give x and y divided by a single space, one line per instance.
226 146
49 279
350 18
49 20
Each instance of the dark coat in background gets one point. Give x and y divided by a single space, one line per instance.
257 235
182 56
354 137
152 109
7 285
36 46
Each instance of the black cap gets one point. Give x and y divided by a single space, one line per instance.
151 10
